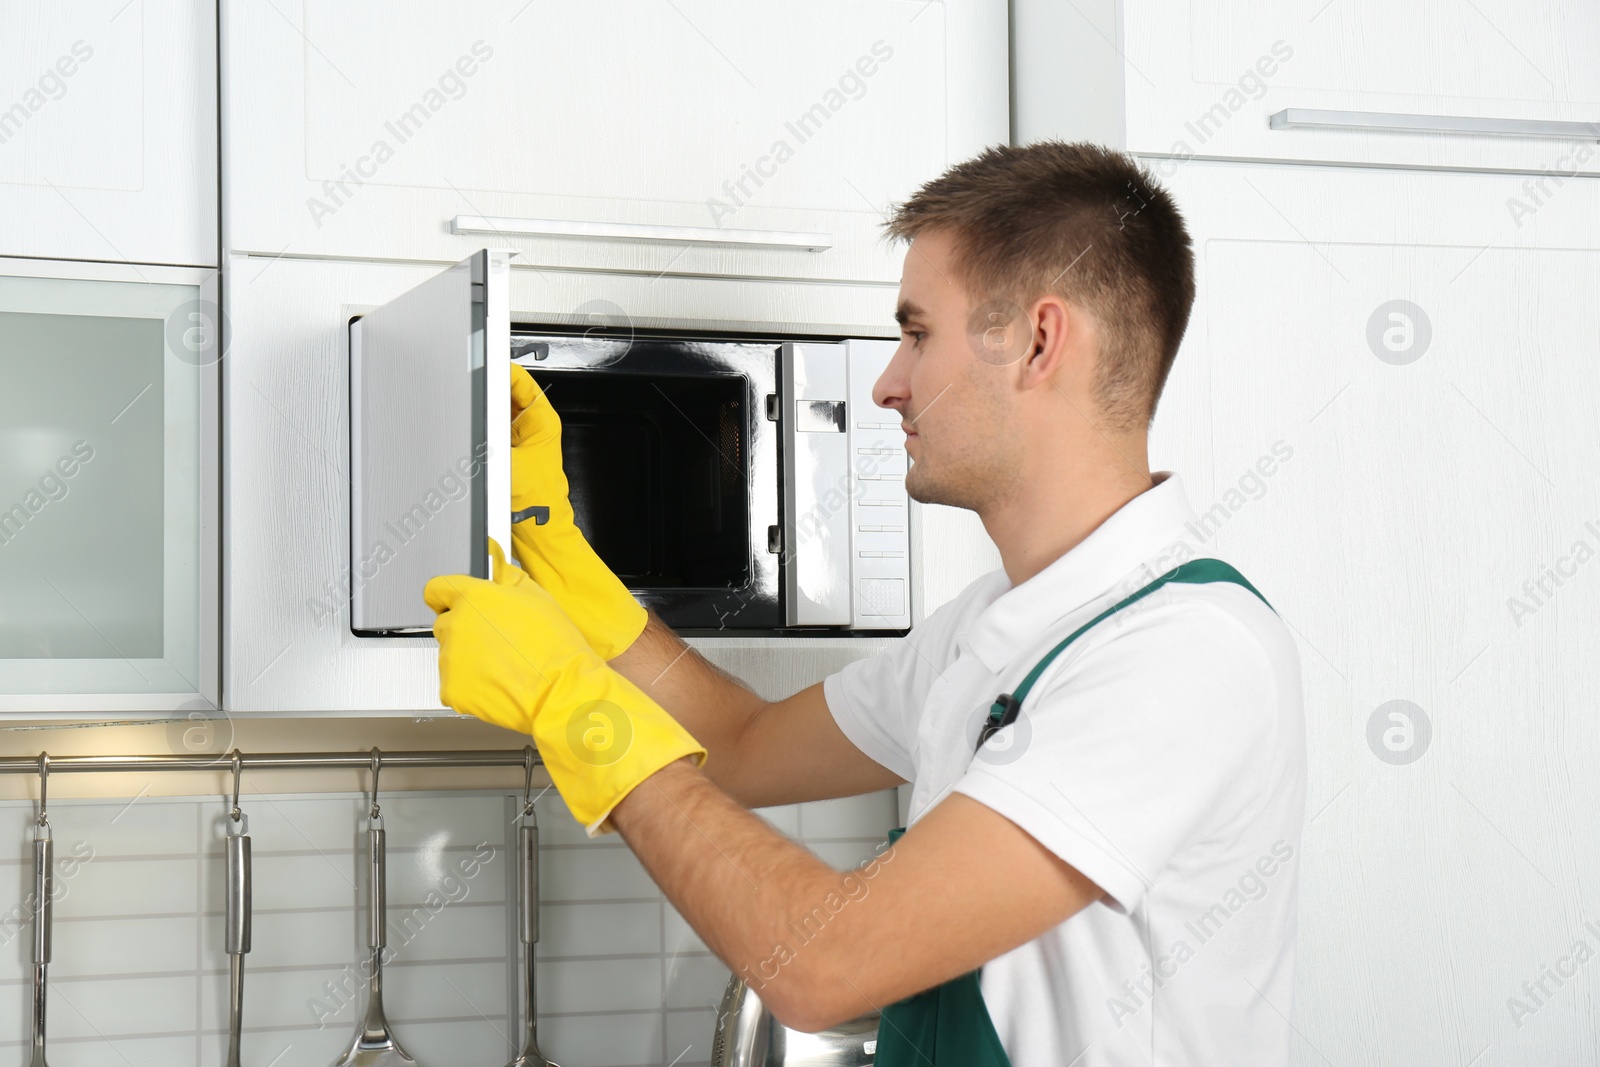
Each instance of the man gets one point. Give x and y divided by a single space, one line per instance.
1106 875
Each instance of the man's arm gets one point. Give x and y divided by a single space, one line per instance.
961 887
762 753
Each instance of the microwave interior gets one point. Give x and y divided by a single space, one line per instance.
657 475
672 468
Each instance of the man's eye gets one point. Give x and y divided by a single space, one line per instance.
915 335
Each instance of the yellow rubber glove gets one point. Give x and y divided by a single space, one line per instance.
554 551
509 655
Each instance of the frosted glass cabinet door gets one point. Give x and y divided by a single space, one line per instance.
101 433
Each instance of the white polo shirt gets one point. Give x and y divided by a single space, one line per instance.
1162 755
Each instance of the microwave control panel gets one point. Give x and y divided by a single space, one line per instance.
847 536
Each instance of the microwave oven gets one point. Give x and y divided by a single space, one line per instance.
739 485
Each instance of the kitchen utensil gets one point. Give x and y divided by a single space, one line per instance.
237 916
748 1036
375 1044
43 892
528 886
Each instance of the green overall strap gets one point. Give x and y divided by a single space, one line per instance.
1196 572
946 1026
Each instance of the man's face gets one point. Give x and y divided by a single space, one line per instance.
949 380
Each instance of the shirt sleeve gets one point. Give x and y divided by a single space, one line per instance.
878 701
875 702
1130 742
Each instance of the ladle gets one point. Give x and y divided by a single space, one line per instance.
375 1044
528 886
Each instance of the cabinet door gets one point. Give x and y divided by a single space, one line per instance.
107 515
108 146
1384 410
1204 78
700 137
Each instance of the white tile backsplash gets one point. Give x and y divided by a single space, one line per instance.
88 1008
131 1052
469 929
119 886
134 828
568 873
299 824
695 981
139 975
441 991
287 938
324 880
84 948
568 986
689 1035
680 936
622 1040
601 929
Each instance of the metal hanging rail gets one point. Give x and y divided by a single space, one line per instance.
267 761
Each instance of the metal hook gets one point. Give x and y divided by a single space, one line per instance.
377 765
238 767
527 782
44 781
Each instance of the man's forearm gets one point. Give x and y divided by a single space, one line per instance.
712 705
752 894
762 753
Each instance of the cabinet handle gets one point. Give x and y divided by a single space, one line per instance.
629 231
1312 118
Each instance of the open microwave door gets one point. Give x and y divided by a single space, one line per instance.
430 436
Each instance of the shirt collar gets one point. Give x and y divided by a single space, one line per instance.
1145 530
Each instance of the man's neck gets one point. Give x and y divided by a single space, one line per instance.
1062 504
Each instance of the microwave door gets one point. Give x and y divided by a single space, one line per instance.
430 433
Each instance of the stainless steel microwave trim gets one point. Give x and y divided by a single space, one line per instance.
1311 118
800 240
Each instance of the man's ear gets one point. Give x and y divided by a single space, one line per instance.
1054 323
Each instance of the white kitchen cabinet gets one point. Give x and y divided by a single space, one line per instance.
1205 77
288 646
1384 410
108 566
664 135
108 131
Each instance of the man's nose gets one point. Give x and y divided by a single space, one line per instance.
892 389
